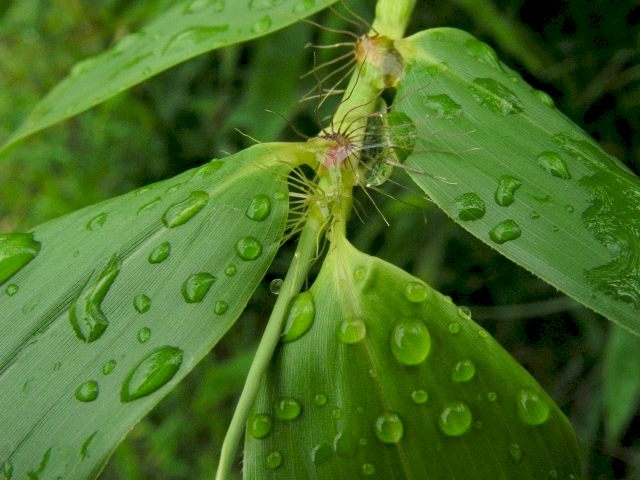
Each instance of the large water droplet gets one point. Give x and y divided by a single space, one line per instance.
320 399
532 408
553 163
300 318
482 52
288 409
248 248
181 212
516 452
351 330
441 106
496 97
454 328
144 334
16 250
259 208
389 427
160 253
416 292
151 373
259 425
455 419
197 286
192 37
505 231
141 303
419 396
88 391
463 371
96 222
262 25
274 459
108 367
469 206
85 314
507 186
410 341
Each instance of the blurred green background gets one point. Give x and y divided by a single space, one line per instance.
584 53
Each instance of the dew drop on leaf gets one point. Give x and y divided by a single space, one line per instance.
492 396
464 312
288 409
152 372
147 207
144 334
16 250
507 186
259 208
368 469
351 330
441 106
220 307
274 459
389 427
410 341
181 212
495 96
303 5
11 289
553 164
96 222
197 286
416 292
88 391
544 97
320 399
455 419
108 367
191 38
230 271
463 371
160 253
141 303
197 6
505 231
248 248
300 318
469 206
262 25
532 408
275 286
259 425
454 328
419 396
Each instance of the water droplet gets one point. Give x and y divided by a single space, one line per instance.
141 303
507 186
275 285
469 206
368 469
505 231
11 289
320 399
389 427
454 328
416 292
96 222
197 286
492 396
569 208
108 367
192 37
248 248
85 314
303 5
181 212
336 413
464 312
197 6
419 396
88 391
220 307
84 449
351 330
149 206
288 409
553 163
483 334
544 97
482 52
259 208
160 253
516 452
230 271
534 215
463 371
259 425
301 314
360 273
274 459
532 408
152 372
57 366
455 419
410 341
441 106
144 334
16 250
495 96
262 25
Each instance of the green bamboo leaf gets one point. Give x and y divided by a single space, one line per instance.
393 381
185 30
519 175
119 301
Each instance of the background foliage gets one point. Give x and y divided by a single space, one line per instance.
585 54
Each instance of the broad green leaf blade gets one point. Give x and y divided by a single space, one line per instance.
122 299
393 381
185 30
526 180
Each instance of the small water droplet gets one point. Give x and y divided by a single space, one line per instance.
389 427
507 186
303 5
351 330
147 207
321 454
482 52
534 215
441 107
16 250
368 469
108 367
300 318
96 222
532 408
336 413
495 96
192 37
516 452
57 366
492 396
454 328
197 286
544 97
230 271
248 248
569 208
198 6
160 253
553 164
220 307
320 399
259 425
86 315
259 208
274 459
141 303
360 273
288 409
410 341
262 25
181 212
419 396
88 391
151 373
11 289
463 371
464 312
276 285
455 419
416 292
144 334
505 231
469 206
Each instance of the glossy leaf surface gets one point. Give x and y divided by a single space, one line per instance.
519 175
393 381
